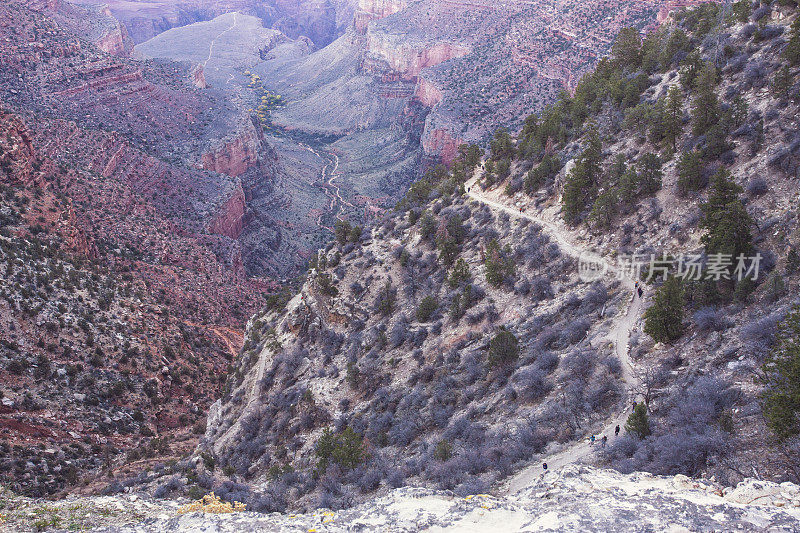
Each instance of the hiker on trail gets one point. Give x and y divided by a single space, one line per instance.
544 467
616 432
634 405
604 440
591 439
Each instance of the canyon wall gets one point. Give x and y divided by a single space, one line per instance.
369 10
408 59
234 157
229 220
116 41
427 92
439 145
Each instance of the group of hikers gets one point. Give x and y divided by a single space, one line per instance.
593 439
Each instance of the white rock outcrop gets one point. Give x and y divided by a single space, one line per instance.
578 498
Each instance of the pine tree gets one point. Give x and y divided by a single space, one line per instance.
499 263
426 308
592 155
604 209
690 172
673 117
638 422
626 51
502 145
792 51
783 82
664 319
503 348
385 302
657 122
652 46
346 449
578 192
341 230
691 68
580 188
470 154
705 107
782 376
650 174
726 219
677 42
459 274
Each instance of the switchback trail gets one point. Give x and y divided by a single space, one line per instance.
619 335
329 187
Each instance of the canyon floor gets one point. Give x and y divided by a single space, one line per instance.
340 151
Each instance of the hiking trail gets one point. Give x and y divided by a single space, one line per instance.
619 335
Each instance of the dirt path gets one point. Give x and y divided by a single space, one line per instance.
230 337
214 40
620 333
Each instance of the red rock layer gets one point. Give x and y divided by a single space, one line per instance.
229 220
234 157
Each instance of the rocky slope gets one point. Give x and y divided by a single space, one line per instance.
726 329
124 292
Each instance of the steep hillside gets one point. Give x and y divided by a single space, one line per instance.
116 323
458 340
681 151
124 293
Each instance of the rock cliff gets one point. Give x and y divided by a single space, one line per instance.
229 220
369 10
409 58
235 156
115 41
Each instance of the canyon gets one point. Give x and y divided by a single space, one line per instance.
397 90
187 160
109 226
